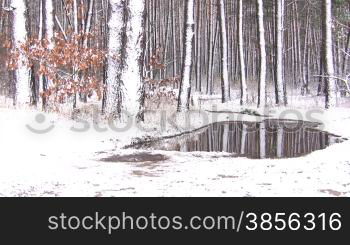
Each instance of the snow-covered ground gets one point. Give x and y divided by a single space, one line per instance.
64 162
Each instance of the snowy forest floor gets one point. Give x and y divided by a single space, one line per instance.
67 163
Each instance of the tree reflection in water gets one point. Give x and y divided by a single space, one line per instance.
268 139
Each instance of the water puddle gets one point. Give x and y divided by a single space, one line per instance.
272 139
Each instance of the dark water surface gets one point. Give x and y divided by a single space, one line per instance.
256 140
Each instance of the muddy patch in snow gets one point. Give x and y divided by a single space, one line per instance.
136 158
333 193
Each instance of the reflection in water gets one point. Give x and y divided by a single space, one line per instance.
270 139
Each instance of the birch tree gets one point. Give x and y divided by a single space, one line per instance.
22 96
125 59
116 57
133 76
185 86
262 48
331 86
225 86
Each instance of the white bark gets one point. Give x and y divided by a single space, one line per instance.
124 75
331 93
225 85
185 88
115 25
262 47
49 22
132 78
22 96
244 88
75 15
41 20
279 51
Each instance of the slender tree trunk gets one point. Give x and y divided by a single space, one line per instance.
22 96
88 23
244 88
185 86
279 51
76 30
174 39
75 16
41 37
199 49
225 85
331 87
262 48
46 32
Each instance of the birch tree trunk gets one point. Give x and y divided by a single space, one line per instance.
279 51
116 56
244 88
225 85
331 86
262 48
185 86
22 96
125 59
133 76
